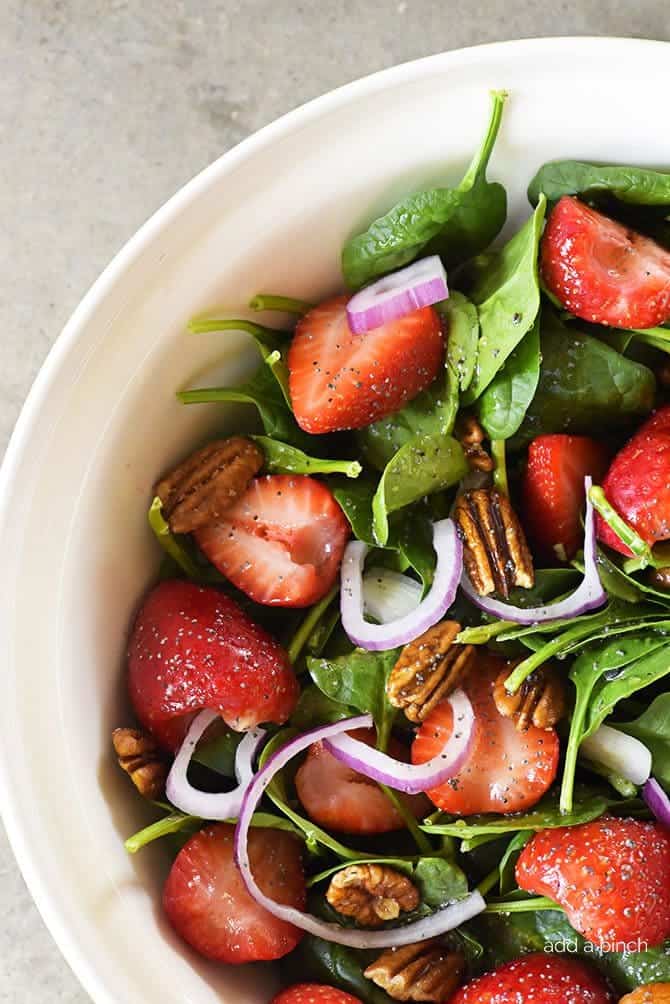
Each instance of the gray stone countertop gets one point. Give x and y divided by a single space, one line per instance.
109 107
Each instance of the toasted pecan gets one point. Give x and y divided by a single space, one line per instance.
540 700
371 894
652 993
141 759
200 489
495 551
427 971
429 669
471 436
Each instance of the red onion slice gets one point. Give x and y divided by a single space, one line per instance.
208 805
657 800
377 637
587 596
408 777
621 753
443 920
420 284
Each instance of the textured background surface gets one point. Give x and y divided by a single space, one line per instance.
108 108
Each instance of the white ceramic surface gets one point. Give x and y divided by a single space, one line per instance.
101 422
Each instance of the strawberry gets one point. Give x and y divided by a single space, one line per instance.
314 993
603 272
281 542
192 648
207 902
537 979
611 876
638 484
506 770
339 380
339 798
553 492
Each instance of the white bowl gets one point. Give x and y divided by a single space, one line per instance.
102 421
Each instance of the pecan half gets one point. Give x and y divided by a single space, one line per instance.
471 436
372 894
652 993
428 971
540 700
428 670
495 551
140 757
659 578
202 487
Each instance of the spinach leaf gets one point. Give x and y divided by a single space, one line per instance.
316 708
423 465
462 321
263 391
653 729
508 861
177 547
440 880
271 344
219 754
415 544
457 223
545 815
281 458
636 185
506 291
604 675
618 582
359 681
178 823
503 405
585 385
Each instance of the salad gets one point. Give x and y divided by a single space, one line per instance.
401 687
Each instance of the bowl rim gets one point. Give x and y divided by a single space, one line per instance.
74 329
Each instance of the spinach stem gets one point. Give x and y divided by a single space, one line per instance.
173 823
500 469
621 528
286 304
552 648
522 905
169 542
621 785
574 740
488 882
201 326
481 158
420 839
483 633
313 617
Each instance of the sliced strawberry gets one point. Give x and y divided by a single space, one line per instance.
611 876
207 902
338 798
603 272
281 542
638 484
192 648
537 979
506 770
314 993
553 492
339 380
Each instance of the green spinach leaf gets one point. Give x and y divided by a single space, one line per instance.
334 965
281 458
585 386
462 321
506 291
359 681
425 464
508 861
456 222
636 185
503 405
653 729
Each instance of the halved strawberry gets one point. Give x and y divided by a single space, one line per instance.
611 876
506 770
207 902
638 484
281 542
192 648
602 271
553 492
314 993
537 978
339 380
339 798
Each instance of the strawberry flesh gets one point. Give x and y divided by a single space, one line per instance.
339 380
339 798
611 876
208 905
638 484
191 648
602 271
281 542
506 770
537 978
553 493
